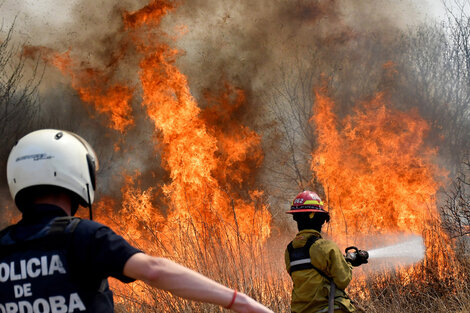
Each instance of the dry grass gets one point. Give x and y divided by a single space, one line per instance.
258 270
437 284
390 292
217 251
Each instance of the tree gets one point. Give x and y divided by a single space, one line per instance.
18 101
437 81
18 93
456 209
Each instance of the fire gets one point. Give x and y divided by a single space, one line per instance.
375 170
150 15
93 86
197 154
207 211
378 175
138 219
209 156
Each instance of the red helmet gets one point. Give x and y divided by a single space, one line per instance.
307 201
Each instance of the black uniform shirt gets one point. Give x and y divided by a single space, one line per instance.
97 250
93 253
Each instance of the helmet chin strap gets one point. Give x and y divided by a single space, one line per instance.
89 201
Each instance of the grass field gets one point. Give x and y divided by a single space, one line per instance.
436 284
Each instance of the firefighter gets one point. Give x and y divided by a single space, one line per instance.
316 265
52 262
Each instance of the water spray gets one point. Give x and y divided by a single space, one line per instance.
411 250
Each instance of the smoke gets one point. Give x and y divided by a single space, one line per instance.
262 47
247 43
270 48
244 43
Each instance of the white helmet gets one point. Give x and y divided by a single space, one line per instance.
55 158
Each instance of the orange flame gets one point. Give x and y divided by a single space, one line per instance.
198 155
374 167
378 175
93 86
209 154
150 15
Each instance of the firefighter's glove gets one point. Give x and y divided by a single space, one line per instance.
356 257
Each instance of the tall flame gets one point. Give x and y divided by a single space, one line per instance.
378 175
208 157
93 86
376 171
194 151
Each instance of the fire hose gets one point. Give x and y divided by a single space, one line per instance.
331 298
356 257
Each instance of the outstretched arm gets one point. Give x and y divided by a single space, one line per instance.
183 282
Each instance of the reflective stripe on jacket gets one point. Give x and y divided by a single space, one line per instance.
311 289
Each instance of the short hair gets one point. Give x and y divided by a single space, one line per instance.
306 221
25 198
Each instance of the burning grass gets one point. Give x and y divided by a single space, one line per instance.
217 250
255 266
376 170
258 269
377 173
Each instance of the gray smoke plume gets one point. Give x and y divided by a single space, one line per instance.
276 51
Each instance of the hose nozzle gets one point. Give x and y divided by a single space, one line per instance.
356 257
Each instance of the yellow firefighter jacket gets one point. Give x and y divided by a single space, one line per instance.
311 289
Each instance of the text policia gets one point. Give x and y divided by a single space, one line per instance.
22 274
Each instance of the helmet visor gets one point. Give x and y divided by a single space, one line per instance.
306 208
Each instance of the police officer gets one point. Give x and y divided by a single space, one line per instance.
316 265
51 262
